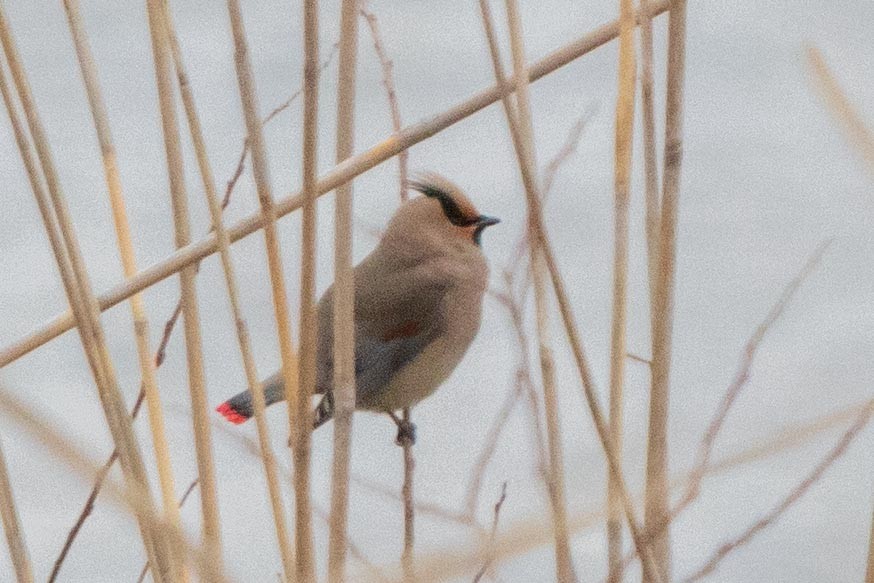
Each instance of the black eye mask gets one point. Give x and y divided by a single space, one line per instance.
450 207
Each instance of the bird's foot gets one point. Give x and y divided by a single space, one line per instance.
406 431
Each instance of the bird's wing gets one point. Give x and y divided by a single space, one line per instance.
397 314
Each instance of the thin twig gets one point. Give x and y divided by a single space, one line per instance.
512 299
488 563
344 299
407 559
524 386
244 151
657 502
739 382
390 90
433 510
786 503
129 496
536 531
355 166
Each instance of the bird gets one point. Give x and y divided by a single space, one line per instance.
418 307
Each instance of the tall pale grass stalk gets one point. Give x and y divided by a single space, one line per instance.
869 570
641 543
190 312
128 259
535 531
650 158
792 497
208 180
62 237
624 132
519 120
407 495
657 500
738 383
344 299
349 169
170 324
857 131
130 496
862 139
300 402
12 527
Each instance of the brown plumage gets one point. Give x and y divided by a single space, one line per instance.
418 302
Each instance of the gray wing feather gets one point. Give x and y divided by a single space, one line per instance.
386 296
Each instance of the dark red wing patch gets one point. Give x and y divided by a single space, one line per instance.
405 330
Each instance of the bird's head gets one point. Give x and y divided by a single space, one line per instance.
444 209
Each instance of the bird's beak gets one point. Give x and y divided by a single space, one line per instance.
483 221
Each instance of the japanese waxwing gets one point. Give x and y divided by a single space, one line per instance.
418 304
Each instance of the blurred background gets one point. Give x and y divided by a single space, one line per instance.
767 176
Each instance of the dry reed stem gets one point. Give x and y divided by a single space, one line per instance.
513 300
299 409
650 158
519 120
128 259
190 312
344 299
268 457
624 133
790 499
869 570
12 527
739 382
657 502
409 461
64 243
160 353
353 167
573 336
182 502
131 496
497 514
244 151
254 449
391 92
534 532
857 132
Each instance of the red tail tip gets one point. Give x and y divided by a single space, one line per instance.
230 414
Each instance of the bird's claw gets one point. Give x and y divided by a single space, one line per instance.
406 433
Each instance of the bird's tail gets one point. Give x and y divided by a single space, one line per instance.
241 407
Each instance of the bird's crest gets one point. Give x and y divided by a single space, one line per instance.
456 206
